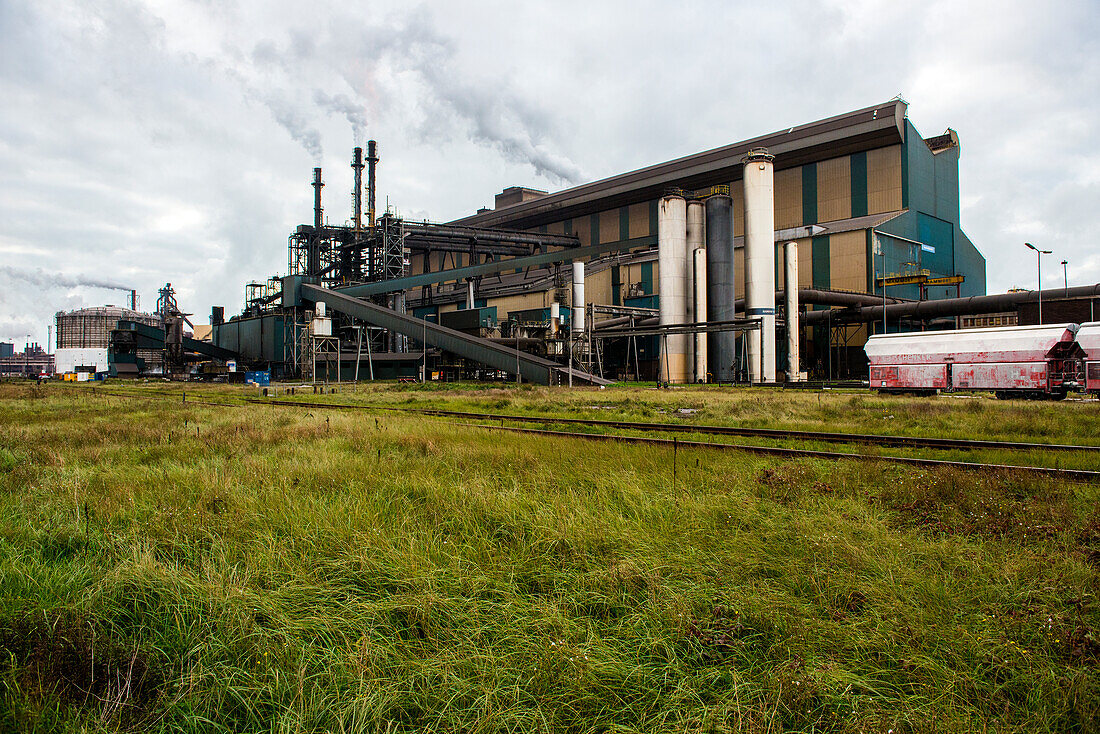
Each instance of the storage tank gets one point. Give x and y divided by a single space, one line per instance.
720 285
790 284
696 223
760 262
673 291
699 283
577 321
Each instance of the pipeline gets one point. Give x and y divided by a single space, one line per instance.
949 306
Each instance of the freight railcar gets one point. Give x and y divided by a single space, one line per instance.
1016 361
1088 337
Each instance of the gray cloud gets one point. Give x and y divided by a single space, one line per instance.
145 143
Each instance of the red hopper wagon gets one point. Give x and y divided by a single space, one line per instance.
1088 336
1014 361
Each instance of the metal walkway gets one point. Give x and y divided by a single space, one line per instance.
532 368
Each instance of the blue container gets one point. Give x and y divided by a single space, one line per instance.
263 379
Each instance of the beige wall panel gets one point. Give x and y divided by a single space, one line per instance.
583 229
884 180
639 220
737 193
788 198
834 189
805 263
555 228
609 226
506 305
848 261
448 307
597 288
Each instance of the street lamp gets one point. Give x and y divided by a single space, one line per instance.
1039 272
1065 277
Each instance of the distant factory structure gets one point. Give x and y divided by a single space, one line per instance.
773 259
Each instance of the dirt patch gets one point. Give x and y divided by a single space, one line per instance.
992 507
63 657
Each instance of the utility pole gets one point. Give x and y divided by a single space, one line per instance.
1039 273
1065 277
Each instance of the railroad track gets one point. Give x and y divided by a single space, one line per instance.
896 441
773 433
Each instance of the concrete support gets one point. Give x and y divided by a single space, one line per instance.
673 281
760 262
790 283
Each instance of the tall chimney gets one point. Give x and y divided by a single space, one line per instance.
357 195
317 199
372 161
133 300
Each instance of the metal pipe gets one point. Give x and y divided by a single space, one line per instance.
760 261
790 283
948 306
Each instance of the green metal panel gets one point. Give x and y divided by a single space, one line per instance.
647 278
905 167
809 193
615 285
653 218
859 183
820 266
568 224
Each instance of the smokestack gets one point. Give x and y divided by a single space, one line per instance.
760 262
357 195
217 315
133 300
790 282
372 162
317 185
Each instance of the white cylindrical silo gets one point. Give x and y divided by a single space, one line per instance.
696 223
760 262
700 284
577 320
555 319
790 284
672 264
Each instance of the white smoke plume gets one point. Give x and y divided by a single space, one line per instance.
340 104
42 279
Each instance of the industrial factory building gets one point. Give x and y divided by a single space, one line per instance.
677 272
862 195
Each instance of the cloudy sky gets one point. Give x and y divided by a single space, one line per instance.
145 142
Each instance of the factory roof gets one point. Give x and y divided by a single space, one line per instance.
870 127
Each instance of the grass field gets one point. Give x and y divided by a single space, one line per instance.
174 566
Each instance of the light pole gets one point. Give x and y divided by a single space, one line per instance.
1039 272
1065 277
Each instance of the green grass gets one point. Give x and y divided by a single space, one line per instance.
180 567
